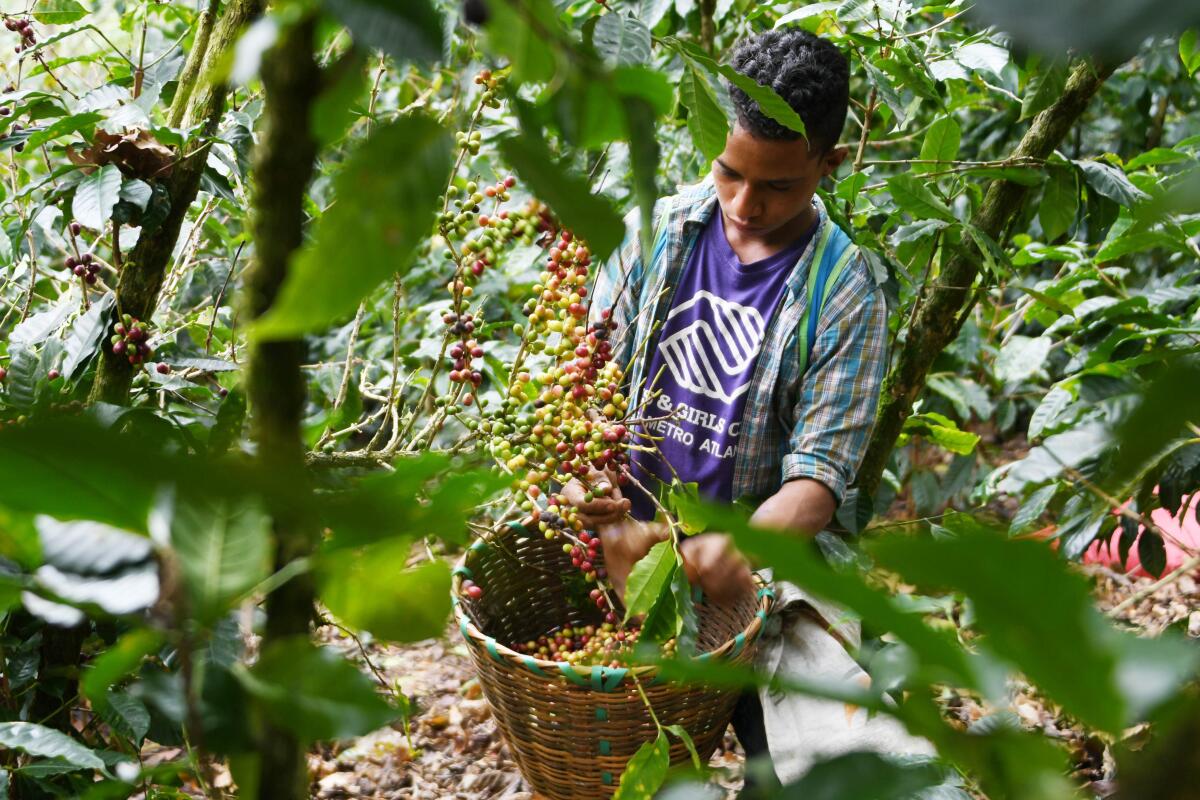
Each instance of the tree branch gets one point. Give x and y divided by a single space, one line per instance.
283 167
141 277
934 327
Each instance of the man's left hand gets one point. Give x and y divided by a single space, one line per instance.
715 565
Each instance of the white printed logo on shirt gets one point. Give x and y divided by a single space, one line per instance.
707 361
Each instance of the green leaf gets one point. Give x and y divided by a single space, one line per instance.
387 196
687 623
511 35
1027 603
136 191
649 578
60 127
227 429
1048 410
38 740
95 197
1021 358
1189 51
940 144
407 30
646 771
86 333
1111 182
706 121
43 469
1060 203
863 775
681 733
314 692
338 106
59 12
621 40
6 250
1032 509
130 713
1044 87
1127 243
590 216
370 589
122 659
23 377
1152 553
224 549
652 11
912 194
942 431
769 102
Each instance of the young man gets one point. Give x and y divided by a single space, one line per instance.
772 396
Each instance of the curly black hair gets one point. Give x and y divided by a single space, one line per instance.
808 72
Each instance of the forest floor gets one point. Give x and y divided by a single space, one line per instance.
453 749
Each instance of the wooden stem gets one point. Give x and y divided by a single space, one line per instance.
938 320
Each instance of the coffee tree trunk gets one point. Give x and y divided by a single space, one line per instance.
195 102
283 167
946 303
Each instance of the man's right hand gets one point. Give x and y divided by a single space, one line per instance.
607 510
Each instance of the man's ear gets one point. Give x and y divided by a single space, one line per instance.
833 159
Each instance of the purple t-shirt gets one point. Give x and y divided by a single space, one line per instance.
706 355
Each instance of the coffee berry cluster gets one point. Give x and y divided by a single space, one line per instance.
84 267
129 339
587 645
23 27
574 423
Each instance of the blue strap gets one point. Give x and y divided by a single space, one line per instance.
830 256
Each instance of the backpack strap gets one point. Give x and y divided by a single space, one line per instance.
834 252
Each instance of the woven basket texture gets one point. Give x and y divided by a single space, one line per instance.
572 730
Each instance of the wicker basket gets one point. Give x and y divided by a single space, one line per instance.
572 729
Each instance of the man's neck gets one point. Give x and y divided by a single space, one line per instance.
751 249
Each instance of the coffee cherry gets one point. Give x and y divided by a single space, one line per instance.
163 368
53 374
3 373
75 228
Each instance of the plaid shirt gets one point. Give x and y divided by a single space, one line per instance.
814 425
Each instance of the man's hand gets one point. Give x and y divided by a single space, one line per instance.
715 565
607 510
626 543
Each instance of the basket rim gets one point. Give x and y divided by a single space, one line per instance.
765 597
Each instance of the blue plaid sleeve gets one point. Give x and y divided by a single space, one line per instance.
835 407
618 285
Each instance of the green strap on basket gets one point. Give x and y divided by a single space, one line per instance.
761 615
602 713
766 591
462 626
606 679
518 528
606 778
605 747
570 674
739 642
491 648
532 666
463 570
478 544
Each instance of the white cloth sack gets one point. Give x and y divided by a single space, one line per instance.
803 730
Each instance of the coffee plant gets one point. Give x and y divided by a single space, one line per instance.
297 299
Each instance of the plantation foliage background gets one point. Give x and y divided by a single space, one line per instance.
266 188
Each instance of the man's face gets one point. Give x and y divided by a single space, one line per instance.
765 186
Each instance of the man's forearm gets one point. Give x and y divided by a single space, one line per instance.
802 505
